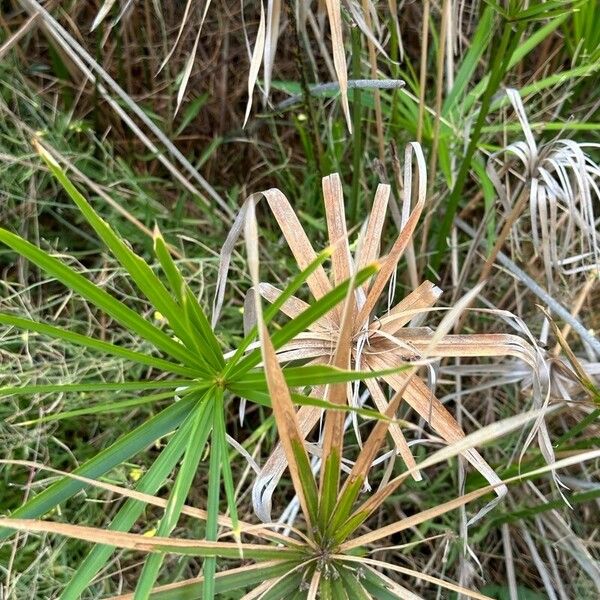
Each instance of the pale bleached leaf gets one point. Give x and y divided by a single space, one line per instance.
339 54
255 61
101 15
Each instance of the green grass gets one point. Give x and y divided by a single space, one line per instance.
101 318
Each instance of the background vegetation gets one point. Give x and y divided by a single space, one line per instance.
145 106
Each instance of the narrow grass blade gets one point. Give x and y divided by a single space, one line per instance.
271 37
143 276
102 13
478 44
174 277
60 333
123 449
257 54
104 407
196 317
528 45
231 580
289 432
317 375
333 434
102 299
199 432
217 453
377 587
203 338
86 63
142 543
441 509
339 54
220 438
93 387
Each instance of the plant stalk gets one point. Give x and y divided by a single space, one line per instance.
500 62
357 146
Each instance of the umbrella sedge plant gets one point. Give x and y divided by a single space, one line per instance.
325 556
188 365
328 553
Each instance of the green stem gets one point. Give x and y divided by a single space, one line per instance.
500 63
307 99
531 511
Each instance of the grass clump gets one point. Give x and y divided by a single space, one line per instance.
330 442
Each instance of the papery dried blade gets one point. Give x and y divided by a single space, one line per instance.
313 588
102 13
333 197
395 432
486 434
191 57
304 349
369 244
251 239
297 240
184 19
333 435
339 54
255 61
294 234
362 23
271 37
289 430
142 543
187 71
474 345
225 261
428 407
390 262
423 297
